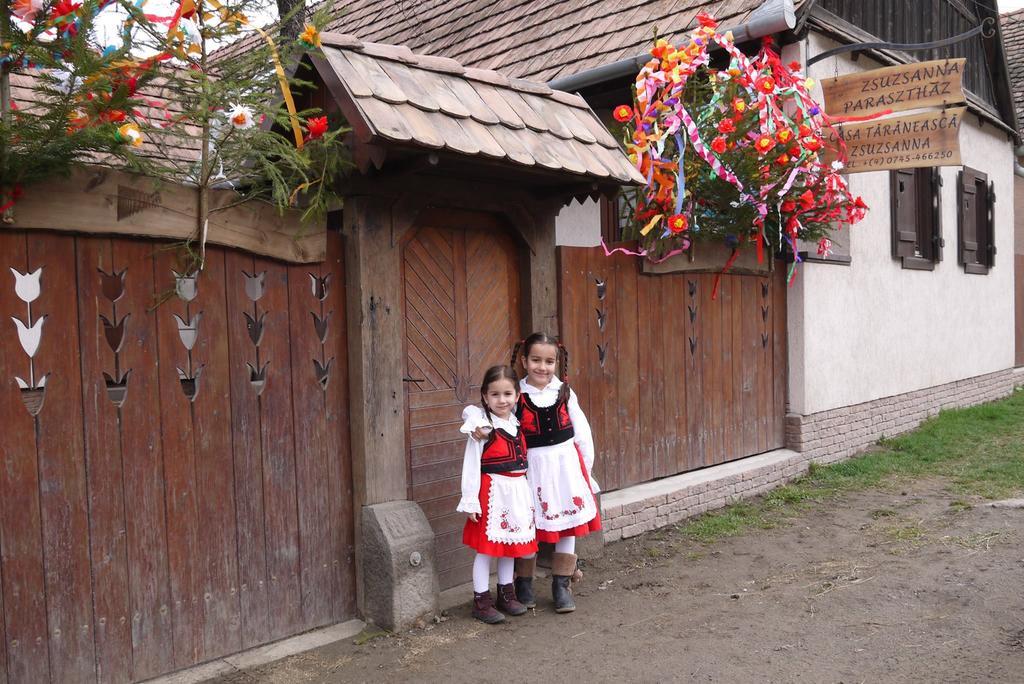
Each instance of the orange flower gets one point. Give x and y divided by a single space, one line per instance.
764 144
784 135
739 105
804 130
782 159
622 113
661 47
678 223
719 144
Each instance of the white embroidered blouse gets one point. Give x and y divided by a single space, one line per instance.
474 417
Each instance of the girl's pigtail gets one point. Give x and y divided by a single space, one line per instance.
515 353
563 372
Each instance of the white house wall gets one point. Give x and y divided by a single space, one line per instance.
873 329
579 224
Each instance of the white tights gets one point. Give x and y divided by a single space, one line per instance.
482 572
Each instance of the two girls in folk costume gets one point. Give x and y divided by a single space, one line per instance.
496 493
560 451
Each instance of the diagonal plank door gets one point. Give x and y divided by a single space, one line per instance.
461 317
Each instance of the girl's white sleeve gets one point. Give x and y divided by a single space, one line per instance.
470 502
584 439
473 417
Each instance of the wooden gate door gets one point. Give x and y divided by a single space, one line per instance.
461 280
174 463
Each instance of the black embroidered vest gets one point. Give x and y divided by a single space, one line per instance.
544 426
503 452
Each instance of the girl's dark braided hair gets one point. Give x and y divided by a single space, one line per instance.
493 374
524 346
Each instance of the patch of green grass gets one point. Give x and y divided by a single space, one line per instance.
980 450
882 513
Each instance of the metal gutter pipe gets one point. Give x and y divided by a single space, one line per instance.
771 17
1018 152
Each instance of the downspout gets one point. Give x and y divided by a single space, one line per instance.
1018 152
773 16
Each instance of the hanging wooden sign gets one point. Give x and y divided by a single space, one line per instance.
896 88
903 142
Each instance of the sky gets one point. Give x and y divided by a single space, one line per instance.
1010 5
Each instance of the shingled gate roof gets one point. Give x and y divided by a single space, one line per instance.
436 103
1012 24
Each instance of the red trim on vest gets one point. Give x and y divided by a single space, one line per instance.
544 426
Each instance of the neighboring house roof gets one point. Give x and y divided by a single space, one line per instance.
1013 42
436 103
536 39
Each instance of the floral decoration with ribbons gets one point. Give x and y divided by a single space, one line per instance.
756 175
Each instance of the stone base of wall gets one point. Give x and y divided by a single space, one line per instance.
825 437
837 434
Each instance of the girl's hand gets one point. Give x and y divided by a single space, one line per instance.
481 432
474 517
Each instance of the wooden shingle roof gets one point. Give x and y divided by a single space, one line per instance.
536 39
436 103
1012 24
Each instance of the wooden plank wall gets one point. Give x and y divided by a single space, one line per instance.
670 379
152 535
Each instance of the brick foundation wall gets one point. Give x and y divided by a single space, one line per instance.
825 437
837 434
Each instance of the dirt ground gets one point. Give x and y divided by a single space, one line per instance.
903 583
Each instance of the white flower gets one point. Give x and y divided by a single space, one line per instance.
837 165
240 116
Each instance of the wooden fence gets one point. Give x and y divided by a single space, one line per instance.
670 379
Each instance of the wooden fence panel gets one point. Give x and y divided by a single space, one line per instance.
24 590
143 452
671 378
98 314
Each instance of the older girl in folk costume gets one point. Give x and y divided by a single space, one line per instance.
496 494
560 450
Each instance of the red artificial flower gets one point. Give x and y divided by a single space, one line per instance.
765 84
792 226
622 113
64 7
807 199
782 159
788 206
794 66
784 135
316 126
859 203
661 46
794 151
706 20
719 144
113 116
726 126
813 144
678 223
739 105
803 131
764 144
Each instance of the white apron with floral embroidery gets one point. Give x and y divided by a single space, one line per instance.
563 497
510 516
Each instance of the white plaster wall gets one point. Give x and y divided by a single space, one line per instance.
579 224
873 329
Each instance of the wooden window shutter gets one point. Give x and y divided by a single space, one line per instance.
936 240
988 256
968 218
904 212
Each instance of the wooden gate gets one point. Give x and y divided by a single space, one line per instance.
175 472
672 380
461 292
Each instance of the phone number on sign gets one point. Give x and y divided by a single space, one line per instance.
885 162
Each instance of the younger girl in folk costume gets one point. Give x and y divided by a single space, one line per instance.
560 450
496 494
